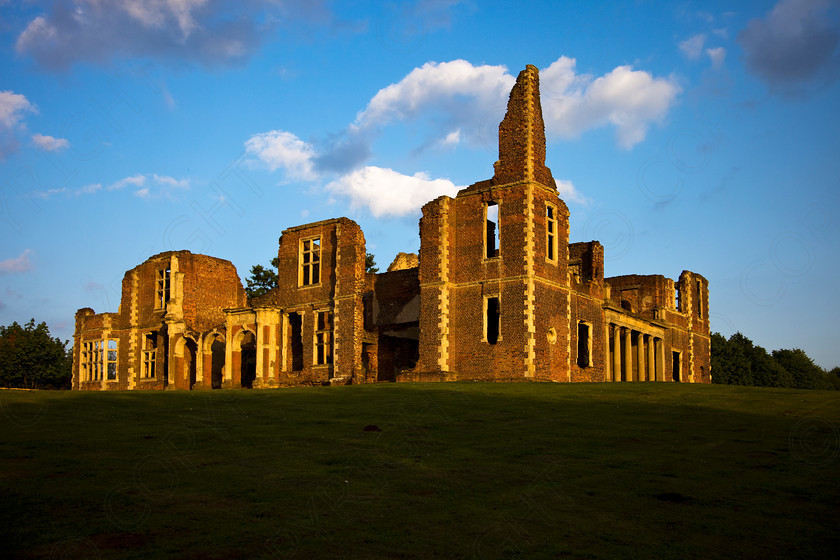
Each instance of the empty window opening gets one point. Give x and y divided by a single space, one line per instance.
677 302
574 272
162 287
492 320
248 361
699 299
584 346
111 360
551 233
296 341
323 338
217 363
626 305
310 261
149 354
491 228
676 366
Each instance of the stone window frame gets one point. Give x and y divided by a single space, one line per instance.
551 243
486 320
497 237
149 356
322 340
91 360
589 360
314 262
111 365
96 360
163 285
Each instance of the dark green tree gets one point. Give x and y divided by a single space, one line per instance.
731 360
805 373
262 280
370 264
767 372
834 377
31 359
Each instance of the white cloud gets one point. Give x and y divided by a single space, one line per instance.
89 189
625 98
462 93
568 192
135 181
386 192
451 139
16 265
49 193
693 46
12 108
171 182
718 56
143 184
280 149
49 143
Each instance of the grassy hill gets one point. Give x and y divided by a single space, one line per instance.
639 470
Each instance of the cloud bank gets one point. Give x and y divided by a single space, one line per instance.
793 45
213 33
450 102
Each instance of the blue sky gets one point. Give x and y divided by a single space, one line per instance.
683 135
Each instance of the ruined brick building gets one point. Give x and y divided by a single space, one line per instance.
497 293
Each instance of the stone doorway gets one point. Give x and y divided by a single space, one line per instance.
248 360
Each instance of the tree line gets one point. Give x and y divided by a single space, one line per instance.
738 361
32 359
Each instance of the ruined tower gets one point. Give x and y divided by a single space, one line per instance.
491 253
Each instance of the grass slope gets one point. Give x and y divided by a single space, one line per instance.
635 470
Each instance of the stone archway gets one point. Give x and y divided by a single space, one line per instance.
215 347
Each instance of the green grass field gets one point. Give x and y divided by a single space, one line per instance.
459 470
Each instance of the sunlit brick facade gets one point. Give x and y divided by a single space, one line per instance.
498 293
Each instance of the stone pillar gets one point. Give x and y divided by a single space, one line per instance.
608 357
650 361
616 353
641 353
660 360
628 353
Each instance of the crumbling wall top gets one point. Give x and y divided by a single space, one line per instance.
522 135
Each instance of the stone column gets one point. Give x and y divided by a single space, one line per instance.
651 362
641 352
616 353
608 357
660 360
628 353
